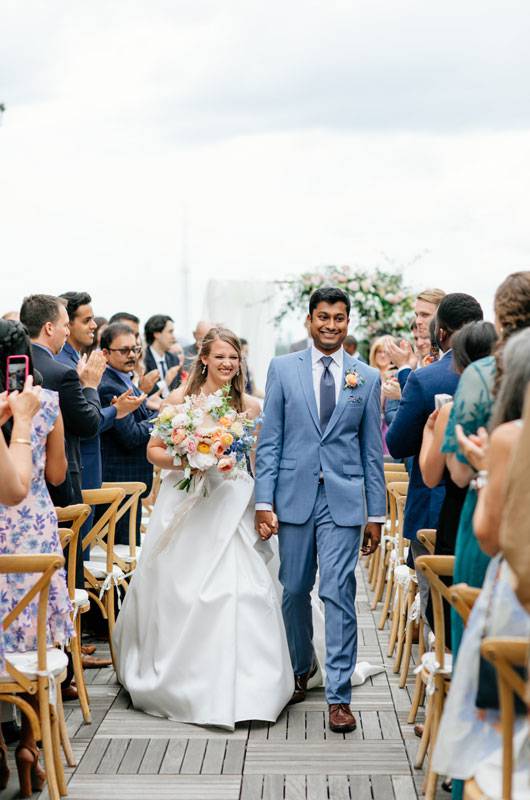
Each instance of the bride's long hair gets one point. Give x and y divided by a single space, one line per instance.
198 374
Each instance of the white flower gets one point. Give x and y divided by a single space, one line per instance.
201 461
354 286
366 285
214 401
237 429
197 414
179 420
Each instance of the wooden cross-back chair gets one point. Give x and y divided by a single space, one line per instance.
76 515
383 553
435 667
463 598
37 673
395 593
126 556
505 654
372 562
103 576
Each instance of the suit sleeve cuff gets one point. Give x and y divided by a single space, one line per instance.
263 507
377 519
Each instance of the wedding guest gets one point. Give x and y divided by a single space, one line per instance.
402 355
469 732
101 324
159 333
250 384
126 318
422 344
380 360
46 320
177 350
191 351
15 457
472 408
146 381
29 527
404 436
123 447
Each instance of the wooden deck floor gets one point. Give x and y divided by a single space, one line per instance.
127 754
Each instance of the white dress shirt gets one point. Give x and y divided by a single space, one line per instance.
162 367
336 368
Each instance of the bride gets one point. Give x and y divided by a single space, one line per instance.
200 637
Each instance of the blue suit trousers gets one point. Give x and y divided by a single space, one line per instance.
336 550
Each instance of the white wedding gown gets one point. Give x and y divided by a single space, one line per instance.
200 637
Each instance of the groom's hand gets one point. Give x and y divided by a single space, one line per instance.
266 523
371 538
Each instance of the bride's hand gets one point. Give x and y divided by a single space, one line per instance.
266 524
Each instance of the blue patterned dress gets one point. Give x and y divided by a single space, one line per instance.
29 528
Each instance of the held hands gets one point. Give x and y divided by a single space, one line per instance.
22 406
266 524
126 403
91 369
371 538
474 447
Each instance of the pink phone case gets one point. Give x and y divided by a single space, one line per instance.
19 361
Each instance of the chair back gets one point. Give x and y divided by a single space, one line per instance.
434 567
505 654
463 598
398 490
427 536
103 531
394 466
43 566
77 515
133 491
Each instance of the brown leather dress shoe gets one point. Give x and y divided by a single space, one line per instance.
341 720
300 685
89 662
88 649
69 693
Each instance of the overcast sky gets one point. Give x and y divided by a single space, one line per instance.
256 140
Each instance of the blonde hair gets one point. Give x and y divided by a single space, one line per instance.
198 374
377 344
433 296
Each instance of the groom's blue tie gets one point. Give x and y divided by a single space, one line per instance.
327 393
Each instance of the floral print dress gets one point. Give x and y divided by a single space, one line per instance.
29 528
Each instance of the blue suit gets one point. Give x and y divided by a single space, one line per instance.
323 486
405 434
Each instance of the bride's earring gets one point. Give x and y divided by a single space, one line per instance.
204 368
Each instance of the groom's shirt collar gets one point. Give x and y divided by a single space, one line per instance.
337 357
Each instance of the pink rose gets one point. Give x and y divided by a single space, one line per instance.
191 447
218 449
178 436
226 464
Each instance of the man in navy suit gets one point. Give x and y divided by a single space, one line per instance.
123 447
404 436
159 335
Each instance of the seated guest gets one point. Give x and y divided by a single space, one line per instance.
123 447
46 320
469 735
159 333
30 527
404 436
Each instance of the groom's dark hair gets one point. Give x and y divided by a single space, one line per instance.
329 294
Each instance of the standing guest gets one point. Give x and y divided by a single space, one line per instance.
404 436
351 346
402 355
82 327
177 350
250 385
422 345
46 320
146 381
159 333
123 447
101 324
380 360
30 527
191 351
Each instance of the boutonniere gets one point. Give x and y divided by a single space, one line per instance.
352 379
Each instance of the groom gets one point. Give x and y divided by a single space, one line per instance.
319 467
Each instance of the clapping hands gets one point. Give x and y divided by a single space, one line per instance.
474 447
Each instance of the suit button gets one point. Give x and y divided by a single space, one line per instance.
315 472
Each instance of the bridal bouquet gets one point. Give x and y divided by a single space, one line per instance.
205 432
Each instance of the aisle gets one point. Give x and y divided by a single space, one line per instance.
127 754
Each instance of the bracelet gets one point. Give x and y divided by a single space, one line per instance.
480 481
21 441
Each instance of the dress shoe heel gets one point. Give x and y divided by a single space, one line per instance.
31 776
4 769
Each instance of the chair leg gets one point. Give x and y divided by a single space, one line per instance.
424 741
57 760
438 702
373 577
380 582
405 660
111 619
396 605
401 633
386 603
47 741
75 651
63 732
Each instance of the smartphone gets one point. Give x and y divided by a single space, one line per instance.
441 400
17 370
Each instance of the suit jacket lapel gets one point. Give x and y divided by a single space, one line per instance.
305 371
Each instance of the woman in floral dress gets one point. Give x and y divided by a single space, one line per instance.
30 527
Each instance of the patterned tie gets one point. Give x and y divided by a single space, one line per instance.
327 393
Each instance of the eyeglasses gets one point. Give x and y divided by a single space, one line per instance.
126 350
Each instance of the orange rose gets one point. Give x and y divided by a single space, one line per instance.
352 380
226 464
225 422
226 439
218 449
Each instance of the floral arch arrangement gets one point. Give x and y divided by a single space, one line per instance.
380 303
